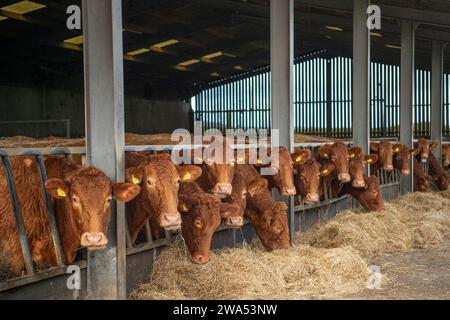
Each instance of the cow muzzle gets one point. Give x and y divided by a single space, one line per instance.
200 258
405 172
359 184
312 198
446 163
94 241
289 192
223 189
170 221
344 177
234 222
424 158
388 167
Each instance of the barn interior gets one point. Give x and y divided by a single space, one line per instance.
174 51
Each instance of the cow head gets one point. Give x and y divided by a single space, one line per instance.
337 154
370 196
202 215
385 153
218 176
239 198
442 181
357 162
308 173
401 158
446 155
422 184
87 194
271 225
160 179
425 148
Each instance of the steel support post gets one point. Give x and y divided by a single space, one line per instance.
437 74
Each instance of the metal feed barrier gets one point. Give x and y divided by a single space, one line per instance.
51 283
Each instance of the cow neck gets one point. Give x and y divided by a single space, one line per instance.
68 230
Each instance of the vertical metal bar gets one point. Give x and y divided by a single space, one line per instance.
50 211
437 61
328 97
406 94
361 76
282 58
104 103
21 231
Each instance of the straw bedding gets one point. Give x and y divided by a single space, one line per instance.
331 258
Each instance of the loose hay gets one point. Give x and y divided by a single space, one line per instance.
331 259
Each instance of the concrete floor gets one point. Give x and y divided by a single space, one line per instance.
421 274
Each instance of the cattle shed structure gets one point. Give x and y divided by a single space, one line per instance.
308 67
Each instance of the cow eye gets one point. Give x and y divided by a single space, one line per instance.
109 199
75 199
150 182
198 223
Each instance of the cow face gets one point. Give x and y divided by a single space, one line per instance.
402 156
202 215
442 181
87 193
357 163
370 196
425 148
422 184
160 179
337 154
270 225
385 153
307 179
283 179
239 198
446 155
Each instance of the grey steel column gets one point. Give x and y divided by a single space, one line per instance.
104 103
437 60
361 76
282 64
407 71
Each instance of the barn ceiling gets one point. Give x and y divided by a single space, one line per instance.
185 42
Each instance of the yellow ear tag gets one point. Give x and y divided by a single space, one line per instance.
325 171
61 193
259 161
187 176
351 156
184 208
298 159
369 161
135 179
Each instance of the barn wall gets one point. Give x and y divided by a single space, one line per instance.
141 115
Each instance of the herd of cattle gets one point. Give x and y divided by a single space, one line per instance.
197 199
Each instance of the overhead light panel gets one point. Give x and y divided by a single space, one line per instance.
334 28
376 34
188 62
214 74
138 52
213 55
78 40
165 43
23 7
391 46
3 18
238 67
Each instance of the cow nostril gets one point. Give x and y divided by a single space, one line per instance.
171 221
94 238
405 172
344 177
200 259
312 197
289 191
389 167
224 188
359 183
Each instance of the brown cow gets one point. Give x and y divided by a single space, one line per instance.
446 155
385 152
439 176
338 155
202 214
268 218
159 179
239 198
425 148
401 158
369 197
308 173
421 180
357 162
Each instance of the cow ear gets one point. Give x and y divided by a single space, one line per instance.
57 188
301 156
371 159
189 173
126 192
134 175
374 146
227 210
354 152
324 151
434 145
397 148
326 170
256 186
414 152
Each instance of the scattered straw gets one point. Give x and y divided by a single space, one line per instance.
331 259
